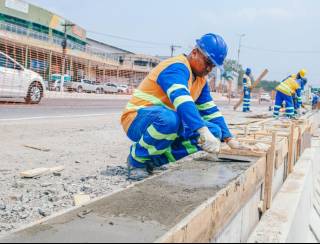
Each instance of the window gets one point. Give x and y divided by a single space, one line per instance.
141 63
6 62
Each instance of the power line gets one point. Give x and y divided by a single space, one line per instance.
283 51
129 39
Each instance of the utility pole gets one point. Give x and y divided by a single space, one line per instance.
241 36
64 53
174 48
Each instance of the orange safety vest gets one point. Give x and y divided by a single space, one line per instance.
149 93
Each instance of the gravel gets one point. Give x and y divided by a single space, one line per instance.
94 165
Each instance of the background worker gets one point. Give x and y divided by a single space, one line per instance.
297 98
315 101
172 115
247 86
285 92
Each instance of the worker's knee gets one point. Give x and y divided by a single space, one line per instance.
168 121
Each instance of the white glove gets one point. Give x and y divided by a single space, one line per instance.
233 144
208 142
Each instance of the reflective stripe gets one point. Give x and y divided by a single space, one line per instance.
176 87
135 157
132 106
212 116
277 106
191 149
160 136
182 99
170 156
206 106
152 150
147 97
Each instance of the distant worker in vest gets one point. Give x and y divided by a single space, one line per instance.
286 92
247 87
172 115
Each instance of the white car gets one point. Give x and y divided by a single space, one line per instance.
123 89
265 97
110 88
19 82
87 86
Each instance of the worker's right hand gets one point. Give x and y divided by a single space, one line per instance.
208 142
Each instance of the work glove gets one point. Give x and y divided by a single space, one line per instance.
233 144
208 142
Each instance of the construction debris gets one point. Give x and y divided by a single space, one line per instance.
40 171
37 148
81 199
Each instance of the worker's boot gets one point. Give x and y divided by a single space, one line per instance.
138 174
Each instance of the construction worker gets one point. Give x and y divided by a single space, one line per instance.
315 101
297 98
285 91
247 86
172 115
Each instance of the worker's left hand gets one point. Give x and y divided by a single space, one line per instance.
234 144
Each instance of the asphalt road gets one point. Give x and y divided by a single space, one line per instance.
55 108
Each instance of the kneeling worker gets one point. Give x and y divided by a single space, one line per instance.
172 115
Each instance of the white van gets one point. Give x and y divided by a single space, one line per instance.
19 82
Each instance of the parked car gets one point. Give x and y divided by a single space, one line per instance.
18 82
265 97
87 86
123 89
55 82
110 88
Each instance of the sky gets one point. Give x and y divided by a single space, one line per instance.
281 35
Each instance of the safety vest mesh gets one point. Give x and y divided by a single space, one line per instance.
289 86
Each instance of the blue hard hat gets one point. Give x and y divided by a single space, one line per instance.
248 71
214 47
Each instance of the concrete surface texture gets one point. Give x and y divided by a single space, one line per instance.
144 212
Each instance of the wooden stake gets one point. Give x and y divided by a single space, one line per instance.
269 173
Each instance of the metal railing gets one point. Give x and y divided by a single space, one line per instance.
56 41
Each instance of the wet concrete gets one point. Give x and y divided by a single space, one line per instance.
143 213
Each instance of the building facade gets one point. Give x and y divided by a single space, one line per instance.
34 36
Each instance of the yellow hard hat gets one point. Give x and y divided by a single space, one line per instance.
303 73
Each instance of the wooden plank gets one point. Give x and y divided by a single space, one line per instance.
264 73
270 172
34 172
40 171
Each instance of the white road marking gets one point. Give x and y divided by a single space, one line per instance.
54 117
